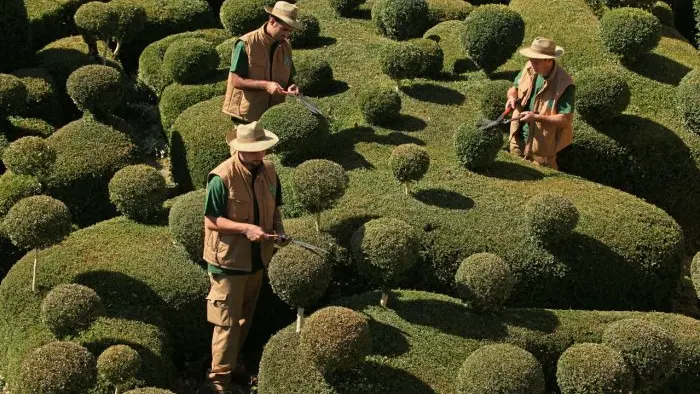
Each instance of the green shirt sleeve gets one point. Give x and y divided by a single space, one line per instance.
239 60
217 196
517 78
566 101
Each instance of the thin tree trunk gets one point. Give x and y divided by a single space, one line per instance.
300 319
385 299
104 54
36 256
117 49
318 222
407 187
116 390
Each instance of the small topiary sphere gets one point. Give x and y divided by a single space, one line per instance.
550 217
13 95
96 88
629 32
307 35
66 368
500 369
299 276
189 60
484 281
491 34
138 192
663 12
601 93
345 7
96 19
314 75
70 308
446 10
588 368
118 364
148 390
15 187
476 148
384 249
493 98
131 20
380 105
29 156
335 338
409 162
401 19
402 60
648 349
318 184
241 16
37 222
432 57
185 222
687 97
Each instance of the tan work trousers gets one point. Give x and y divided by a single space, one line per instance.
517 148
230 307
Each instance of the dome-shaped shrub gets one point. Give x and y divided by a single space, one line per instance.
148 390
225 50
29 156
131 20
307 35
493 98
687 97
401 19
663 12
593 368
629 32
314 75
380 105
302 134
318 184
384 249
96 19
446 10
550 217
15 187
484 281
241 16
66 368
500 369
648 349
402 60
409 162
491 34
13 95
70 308
432 57
335 338
345 7
42 95
37 222
601 93
29 127
475 148
15 44
119 364
96 88
185 222
138 192
190 59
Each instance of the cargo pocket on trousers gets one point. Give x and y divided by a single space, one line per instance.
218 312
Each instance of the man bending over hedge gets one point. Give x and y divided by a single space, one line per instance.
242 222
546 106
262 70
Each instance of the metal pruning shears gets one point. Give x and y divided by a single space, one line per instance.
501 119
305 245
306 103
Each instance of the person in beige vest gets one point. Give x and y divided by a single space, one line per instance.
262 71
242 223
545 110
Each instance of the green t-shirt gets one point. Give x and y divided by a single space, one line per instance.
215 205
565 105
239 61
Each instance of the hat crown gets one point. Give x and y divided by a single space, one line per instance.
285 9
250 133
544 46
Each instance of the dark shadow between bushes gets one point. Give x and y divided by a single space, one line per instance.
658 68
433 93
320 42
352 160
465 65
504 75
387 340
343 230
362 13
444 199
541 320
335 87
510 171
407 123
392 138
373 378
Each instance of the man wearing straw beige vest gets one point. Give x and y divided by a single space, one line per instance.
262 71
542 97
242 223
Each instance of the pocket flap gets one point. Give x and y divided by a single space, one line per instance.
216 296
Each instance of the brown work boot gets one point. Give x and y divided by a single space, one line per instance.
210 388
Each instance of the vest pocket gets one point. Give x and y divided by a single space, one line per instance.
218 312
240 210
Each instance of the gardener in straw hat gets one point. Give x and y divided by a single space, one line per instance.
262 71
546 106
242 223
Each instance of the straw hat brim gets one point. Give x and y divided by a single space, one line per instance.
258 146
530 54
285 19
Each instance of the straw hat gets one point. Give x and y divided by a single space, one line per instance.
542 48
250 137
286 12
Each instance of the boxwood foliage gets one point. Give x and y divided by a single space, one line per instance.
401 19
13 95
138 192
601 93
96 20
43 99
185 222
345 7
119 365
96 89
148 390
433 57
493 98
70 308
629 32
37 222
409 162
448 33
15 187
18 127
241 16
476 149
664 13
380 105
225 51
484 281
307 35
694 271
177 97
402 60
550 217
14 29
593 368
66 367
314 75
29 156
687 93
299 276
446 10
189 60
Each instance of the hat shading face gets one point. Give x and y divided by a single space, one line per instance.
251 138
285 12
542 48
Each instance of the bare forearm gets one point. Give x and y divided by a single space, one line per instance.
512 93
225 226
277 220
558 120
247 84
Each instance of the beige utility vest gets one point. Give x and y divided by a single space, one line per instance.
249 105
547 140
232 251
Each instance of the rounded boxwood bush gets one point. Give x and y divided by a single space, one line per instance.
307 35
403 60
185 222
491 34
70 308
176 98
13 95
15 187
138 192
648 349
37 222
96 89
131 20
380 105
663 12
302 135
68 54
493 98
66 368
432 57
687 96
409 162
96 19
190 59
19 126
335 338
15 44
601 93
475 148
299 276
587 368
29 156
241 16
484 281
314 75
318 184
629 32
500 369
550 217
119 364
225 51
148 390
42 95
446 10
345 7
401 19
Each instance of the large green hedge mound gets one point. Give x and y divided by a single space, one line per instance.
593 368
66 55
50 20
401 19
15 33
241 16
629 32
176 97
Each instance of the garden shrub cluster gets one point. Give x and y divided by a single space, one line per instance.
345 7
96 89
550 218
500 368
66 367
484 281
629 32
138 192
475 148
299 276
380 105
13 95
43 100
185 222
448 33
29 156
401 19
409 162
601 94
190 59
433 57
176 98
70 308
492 103
15 187
37 222
241 16
687 93
318 184
119 365
308 34
593 368
445 10
402 60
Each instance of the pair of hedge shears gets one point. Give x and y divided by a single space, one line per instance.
305 245
305 102
501 120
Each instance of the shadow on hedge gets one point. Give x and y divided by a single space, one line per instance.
510 171
321 42
659 68
504 75
363 13
408 123
444 199
387 340
342 230
385 379
433 93
393 138
335 87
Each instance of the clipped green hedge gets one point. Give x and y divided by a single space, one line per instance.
687 94
500 369
314 75
16 35
29 156
70 308
380 105
448 33
493 99
96 20
593 368
241 16
664 13
66 368
15 187
96 89
402 60
118 364
189 60
629 32
345 7
13 95
433 57
550 217
185 222
43 100
476 149
225 51
18 127
318 184
401 19
601 93
445 10
176 98
484 281
299 276
37 222
307 35
409 162
138 192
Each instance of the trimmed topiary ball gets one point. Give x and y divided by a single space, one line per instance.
131 20
380 105
97 20
299 276
225 49
307 35
29 127
190 60
335 338
119 364
66 368
491 34
37 222
138 192
13 95
96 89
432 57
601 93
185 222
493 98
402 60
587 368
345 7
446 10
318 184
550 218
500 369
648 349
401 19
629 32
148 390
241 16
42 95
476 149
687 97
484 281
664 13
29 156
409 162
70 308
314 75
15 187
